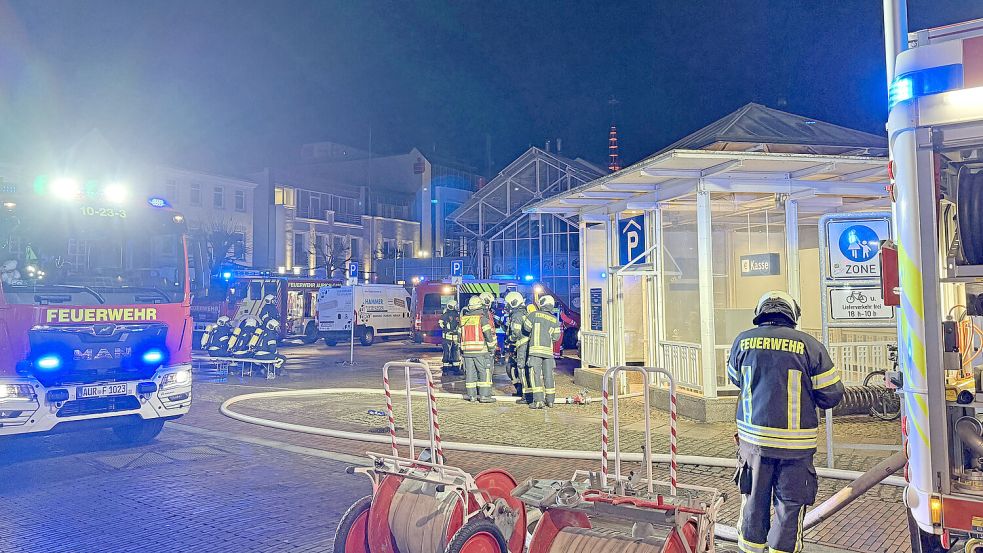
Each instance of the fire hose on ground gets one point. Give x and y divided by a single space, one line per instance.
860 482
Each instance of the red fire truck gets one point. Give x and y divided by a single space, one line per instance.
935 130
94 310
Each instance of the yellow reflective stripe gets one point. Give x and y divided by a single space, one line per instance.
732 372
825 379
777 443
747 546
471 385
791 433
486 327
536 389
794 398
541 349
522 341
550 390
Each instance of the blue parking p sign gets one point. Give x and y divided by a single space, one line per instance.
457 268
631 235
353 269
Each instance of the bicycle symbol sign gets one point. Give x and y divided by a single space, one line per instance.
858 304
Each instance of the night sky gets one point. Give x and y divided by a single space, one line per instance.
233 85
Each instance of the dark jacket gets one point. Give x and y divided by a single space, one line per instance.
784 376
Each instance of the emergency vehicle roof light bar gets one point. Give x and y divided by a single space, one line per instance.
609 377
422 366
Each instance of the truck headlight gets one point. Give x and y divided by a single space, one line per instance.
16 391
175 379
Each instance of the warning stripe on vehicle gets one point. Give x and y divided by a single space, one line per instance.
479 287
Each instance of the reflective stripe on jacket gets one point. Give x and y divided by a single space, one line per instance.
516 318
784 375
543 330
477 334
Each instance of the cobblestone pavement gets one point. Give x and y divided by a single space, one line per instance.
81 493
874 523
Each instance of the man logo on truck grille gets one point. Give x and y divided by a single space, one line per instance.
96 354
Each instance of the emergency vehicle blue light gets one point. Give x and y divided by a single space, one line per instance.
933 80
227 275
528 278
158 202
152 356
48 362
604 275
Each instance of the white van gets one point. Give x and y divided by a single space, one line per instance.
381 310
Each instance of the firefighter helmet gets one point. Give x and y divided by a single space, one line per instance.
513 299
223 321
487 298
270 299
273 325
777 303
452 305
250 322
475 303
546 302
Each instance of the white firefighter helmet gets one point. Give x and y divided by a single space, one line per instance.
475 303
777 302
273 325
514 299
270 299
452 305
546 301
223 321
250 322
487 298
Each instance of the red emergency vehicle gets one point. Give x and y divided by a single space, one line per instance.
430 298
94 309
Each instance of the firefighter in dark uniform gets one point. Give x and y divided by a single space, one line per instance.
239 344
784 375
518 342
216 338
267 342
269 310
477 343
543 329
450 328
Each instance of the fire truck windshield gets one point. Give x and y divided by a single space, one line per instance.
89 255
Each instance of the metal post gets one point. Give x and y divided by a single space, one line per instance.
792 248
704 238
611 237
651 321
895 34
660 267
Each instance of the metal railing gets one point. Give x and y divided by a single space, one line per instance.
594 348
683 360
857 359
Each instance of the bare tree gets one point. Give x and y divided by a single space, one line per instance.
330 258
219 240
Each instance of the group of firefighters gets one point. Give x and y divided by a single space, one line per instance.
254 339
469 339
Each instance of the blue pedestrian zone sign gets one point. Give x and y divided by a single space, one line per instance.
859 243
631 235
852 245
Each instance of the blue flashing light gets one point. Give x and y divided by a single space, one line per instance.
227 275
49 362
434 202
158 202
152 357
925 82
528 278
604 274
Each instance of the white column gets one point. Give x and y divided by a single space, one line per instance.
652 320
704 237
610 303
792 248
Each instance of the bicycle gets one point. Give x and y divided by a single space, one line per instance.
885 404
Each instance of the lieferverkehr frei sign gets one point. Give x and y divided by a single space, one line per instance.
760 264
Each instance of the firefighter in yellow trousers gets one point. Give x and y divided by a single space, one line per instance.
543 329
477 341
